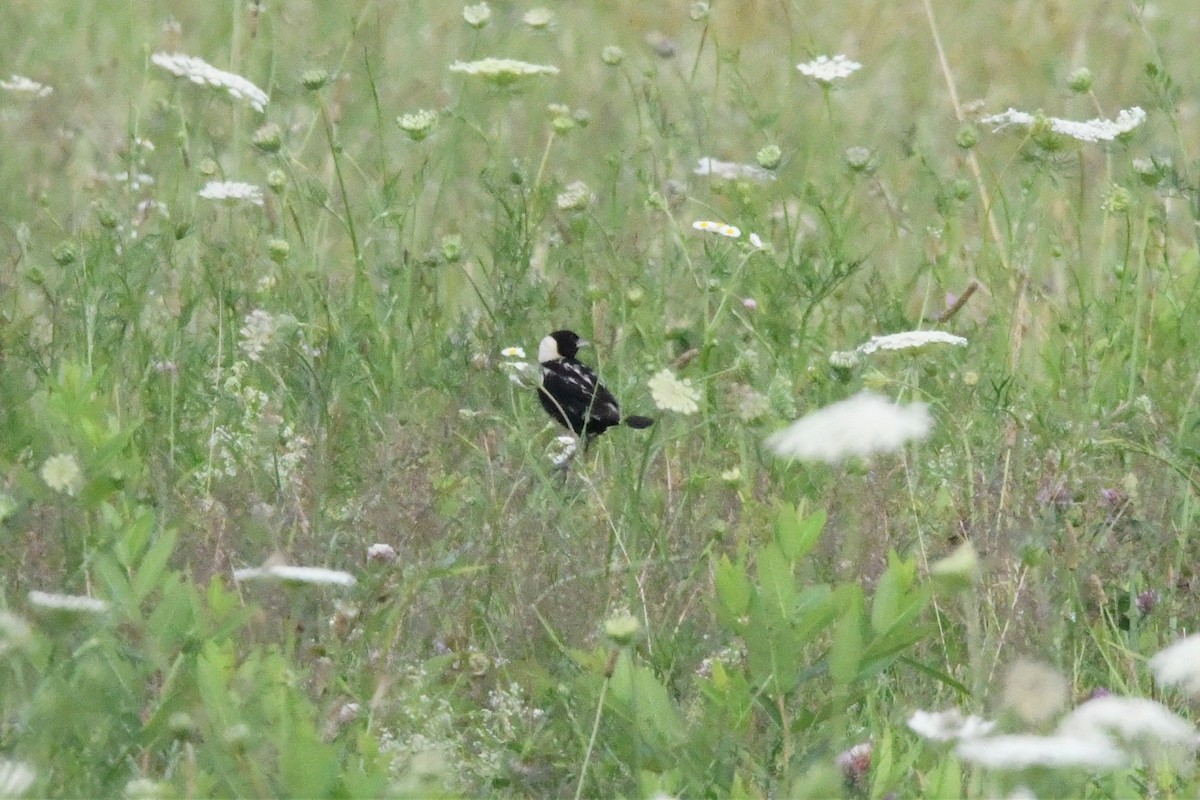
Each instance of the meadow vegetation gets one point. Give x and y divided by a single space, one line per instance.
280 514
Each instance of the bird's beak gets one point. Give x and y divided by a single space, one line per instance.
582 343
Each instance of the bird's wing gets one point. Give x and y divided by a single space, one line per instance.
576 388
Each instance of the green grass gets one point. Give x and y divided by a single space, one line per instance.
681 613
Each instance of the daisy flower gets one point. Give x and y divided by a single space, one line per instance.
722 228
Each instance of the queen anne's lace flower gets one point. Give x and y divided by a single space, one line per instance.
1179 665
909 340
23 85
731 170
860 426
947 726
672 394
62 474
70 603
197 70
1094 130
1022 751
824 69
282 573
477 16
232 190
502 71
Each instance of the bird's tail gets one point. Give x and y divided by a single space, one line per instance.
638 422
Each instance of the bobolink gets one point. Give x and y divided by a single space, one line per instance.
571 394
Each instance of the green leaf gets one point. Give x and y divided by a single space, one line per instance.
148 573
797 537
778 585
734 589
647 702
890 590
845 654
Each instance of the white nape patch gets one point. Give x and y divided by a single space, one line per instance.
548 350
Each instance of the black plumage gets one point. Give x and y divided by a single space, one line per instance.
571 393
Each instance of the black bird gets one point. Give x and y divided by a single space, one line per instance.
571 393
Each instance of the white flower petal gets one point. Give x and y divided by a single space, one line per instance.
860 426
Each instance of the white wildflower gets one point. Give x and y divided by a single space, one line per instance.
1022 751
722 228
731 170
561 449
62 474
381 552
824 69
522 373
1130 720
502 71
257 334
199 71
477 16
1036 692
418 124
909 340
313 576
22 85
947 726
860 426
1094 130
513 352
72 603
672 394
1179 665
538 18
232 190
574 197
15 633
16 777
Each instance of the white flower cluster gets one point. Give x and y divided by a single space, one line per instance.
1105 733
575 196
1094 130
281 573
860 426
502 71
232 190
731 170
824 69
673 394
909 340
70 603
22 85
199 71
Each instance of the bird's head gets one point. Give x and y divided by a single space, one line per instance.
560 344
